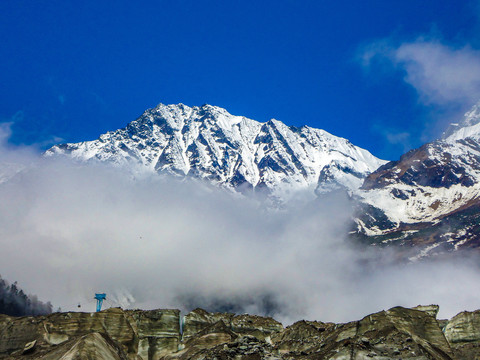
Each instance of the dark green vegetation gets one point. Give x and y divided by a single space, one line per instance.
14 302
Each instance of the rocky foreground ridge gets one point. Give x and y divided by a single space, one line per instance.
398 333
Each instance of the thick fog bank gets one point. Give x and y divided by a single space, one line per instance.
69 230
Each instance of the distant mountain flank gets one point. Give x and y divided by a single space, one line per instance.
235 152
431 196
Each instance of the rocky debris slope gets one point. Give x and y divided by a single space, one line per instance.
398 333
114 332
258 326
430 198
231 151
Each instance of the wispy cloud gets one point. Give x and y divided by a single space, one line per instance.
394 137
62 98
5 133
7 124
15 153
445 76
440 73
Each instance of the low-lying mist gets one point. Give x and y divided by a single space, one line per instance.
69 230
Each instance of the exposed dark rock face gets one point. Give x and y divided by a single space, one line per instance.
457 231
140 333
430 165
427 201
115 334
463 333
258 326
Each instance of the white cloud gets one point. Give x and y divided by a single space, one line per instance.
6 127
69 230
441 74
5 132
399 138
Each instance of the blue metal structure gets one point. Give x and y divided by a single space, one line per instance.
100 298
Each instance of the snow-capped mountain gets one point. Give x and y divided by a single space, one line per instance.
231 151
431 195
469 127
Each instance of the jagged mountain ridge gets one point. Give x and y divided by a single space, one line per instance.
431 196
209 143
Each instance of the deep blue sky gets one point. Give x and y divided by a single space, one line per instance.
75 69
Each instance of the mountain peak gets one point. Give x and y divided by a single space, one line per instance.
231 151
468 127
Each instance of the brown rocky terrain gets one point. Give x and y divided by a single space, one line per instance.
398 333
